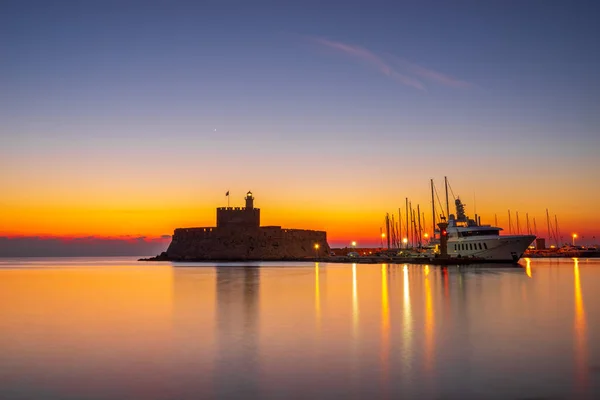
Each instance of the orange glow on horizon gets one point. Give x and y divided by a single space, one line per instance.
344 213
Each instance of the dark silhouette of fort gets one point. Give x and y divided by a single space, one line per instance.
238 236
240 217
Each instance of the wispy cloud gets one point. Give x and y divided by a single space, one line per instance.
373 59
395 68
434 76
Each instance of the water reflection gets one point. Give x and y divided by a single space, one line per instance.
581 366
237 330
429 323
354 301
528 267
446 280
317 296
291 331
407 324
385 324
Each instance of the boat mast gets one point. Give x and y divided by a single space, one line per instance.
556 232
447 204
387 229
548 221
528 227
432 211
475 209
412 232
399 227
407 216
509 223
535 227
419 231
518 226
414 219
393 228
424 224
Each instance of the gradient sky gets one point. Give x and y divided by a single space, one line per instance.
134 118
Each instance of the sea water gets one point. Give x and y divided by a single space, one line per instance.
115 328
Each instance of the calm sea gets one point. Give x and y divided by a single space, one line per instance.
114 328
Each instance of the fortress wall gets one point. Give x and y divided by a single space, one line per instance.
185 233
239 243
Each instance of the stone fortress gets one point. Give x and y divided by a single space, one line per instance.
238 236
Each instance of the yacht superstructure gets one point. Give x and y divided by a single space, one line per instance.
468 238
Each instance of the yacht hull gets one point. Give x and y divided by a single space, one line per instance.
508 248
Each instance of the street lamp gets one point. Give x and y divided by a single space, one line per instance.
316 250
426 235
354 245
382 237
405 241
574 237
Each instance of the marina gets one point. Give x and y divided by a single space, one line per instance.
239 236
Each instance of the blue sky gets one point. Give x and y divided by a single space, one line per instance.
209 63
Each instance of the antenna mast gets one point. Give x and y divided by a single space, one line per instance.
432 211
447 204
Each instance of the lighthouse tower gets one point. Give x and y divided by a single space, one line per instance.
249 201
239 217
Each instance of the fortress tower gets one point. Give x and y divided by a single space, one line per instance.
249 201
239 217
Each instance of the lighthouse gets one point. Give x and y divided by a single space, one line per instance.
249 201
239 217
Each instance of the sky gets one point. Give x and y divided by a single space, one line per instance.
123 119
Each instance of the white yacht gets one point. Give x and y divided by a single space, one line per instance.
467 238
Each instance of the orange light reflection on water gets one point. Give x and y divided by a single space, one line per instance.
385 324
407 323
317 296
55 318
580 331
429 323
354 301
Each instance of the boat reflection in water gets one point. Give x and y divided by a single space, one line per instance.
302 331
